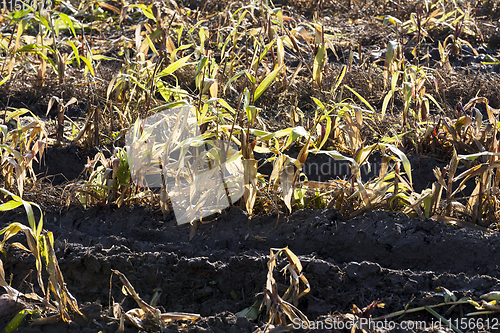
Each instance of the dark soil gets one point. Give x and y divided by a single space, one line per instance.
378 256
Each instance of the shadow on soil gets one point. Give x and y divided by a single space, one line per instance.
378 256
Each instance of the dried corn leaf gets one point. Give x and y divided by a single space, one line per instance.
286 182
250 181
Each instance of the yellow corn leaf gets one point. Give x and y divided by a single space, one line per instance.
5 79
281 52
286 181
293 259
171 316
385 103
493 295
319 62
266 83
110 7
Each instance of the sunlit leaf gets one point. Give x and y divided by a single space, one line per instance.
266 83
319 61
361 98
387 99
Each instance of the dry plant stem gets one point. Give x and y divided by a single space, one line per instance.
479 204
110 110
87 125
302 152
10 79
143 305
60 124
246 51
202 85
296 47
8 48
148 96
236 116
448 194
96 123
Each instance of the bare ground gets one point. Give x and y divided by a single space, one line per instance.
378 256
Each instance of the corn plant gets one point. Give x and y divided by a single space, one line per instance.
41 245
466 134
46 23
434 16
109 181
22 141
488 304
409 82
281 309
145 316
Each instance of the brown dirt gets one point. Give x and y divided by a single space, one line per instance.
378 256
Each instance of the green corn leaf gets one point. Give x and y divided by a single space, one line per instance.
251 112
180 48
472 157
9 205
296 133
389 54
102 57
227 106
319 61
283 132
33 48
442 319
250 77
75 51
68 22
327 131
360 98
266 82
392 20
235 76
264 53
251 312
493 295
201 66
340 78
198 23
318 103
17 320
262 134
387 98
394 81
151 45
174 66
17 113
402 157
339 157
88 64
146 10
